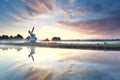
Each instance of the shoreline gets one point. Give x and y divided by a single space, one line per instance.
105 47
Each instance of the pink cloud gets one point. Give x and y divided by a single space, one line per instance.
38 7
101 27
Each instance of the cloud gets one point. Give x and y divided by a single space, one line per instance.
84 8
67 13
88 74
72 1
41 76
10 12
38 7
23 17
27 9
92 57
23 71
97 26
67 70
109 66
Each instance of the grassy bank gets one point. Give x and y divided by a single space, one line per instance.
71 46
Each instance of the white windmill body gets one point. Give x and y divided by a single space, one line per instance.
32 36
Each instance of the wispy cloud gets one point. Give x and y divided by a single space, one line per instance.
38 7
99 26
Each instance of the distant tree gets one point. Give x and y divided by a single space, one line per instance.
18 36
47 39
56 39
5 37
11 37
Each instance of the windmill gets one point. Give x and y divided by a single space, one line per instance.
32 35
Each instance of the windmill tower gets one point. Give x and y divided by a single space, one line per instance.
32 35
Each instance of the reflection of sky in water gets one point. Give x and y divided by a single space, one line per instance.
16 63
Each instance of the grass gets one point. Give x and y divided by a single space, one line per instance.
71 46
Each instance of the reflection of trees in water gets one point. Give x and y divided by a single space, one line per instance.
16 48
32 51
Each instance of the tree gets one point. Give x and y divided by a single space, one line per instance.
11 37
56 39
18 36
5 37
47 39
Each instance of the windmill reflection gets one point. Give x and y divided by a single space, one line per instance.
32 51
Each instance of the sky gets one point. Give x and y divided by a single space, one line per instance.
68 19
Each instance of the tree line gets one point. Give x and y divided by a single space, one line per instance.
53 39
6 37
20 37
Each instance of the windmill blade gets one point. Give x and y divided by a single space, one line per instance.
29 31
32 29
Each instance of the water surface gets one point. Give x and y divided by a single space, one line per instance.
66 42
37 63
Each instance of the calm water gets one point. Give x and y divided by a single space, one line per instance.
66 42
36 63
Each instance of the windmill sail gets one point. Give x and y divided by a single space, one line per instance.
32 29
